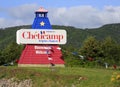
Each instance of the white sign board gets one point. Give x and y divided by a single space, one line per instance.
35 36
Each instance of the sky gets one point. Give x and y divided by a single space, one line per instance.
77 13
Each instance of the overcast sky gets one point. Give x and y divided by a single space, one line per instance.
77 13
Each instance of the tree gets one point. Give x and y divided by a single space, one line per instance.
1 58
91 47
11 52
111 50
91 50
71 59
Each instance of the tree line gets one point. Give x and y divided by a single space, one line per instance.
92 53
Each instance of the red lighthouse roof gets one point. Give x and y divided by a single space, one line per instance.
41 9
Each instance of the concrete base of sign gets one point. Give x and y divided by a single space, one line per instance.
40 65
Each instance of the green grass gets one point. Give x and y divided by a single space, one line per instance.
61 77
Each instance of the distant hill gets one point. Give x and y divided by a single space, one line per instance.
75 36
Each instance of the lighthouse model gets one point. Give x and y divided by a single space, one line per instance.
41 43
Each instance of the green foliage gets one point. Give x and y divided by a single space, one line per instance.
10 53
111 51
96 53
8 35
91 47
70 59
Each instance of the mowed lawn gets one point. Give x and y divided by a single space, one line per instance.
61 77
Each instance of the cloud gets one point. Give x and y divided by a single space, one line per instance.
21 15
9 23
85 16
2 21
79 16
23 12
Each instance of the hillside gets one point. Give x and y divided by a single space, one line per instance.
75 36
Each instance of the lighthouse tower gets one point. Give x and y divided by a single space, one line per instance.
41 55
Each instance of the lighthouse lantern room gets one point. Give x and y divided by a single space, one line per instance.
41 20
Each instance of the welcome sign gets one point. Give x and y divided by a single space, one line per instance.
35 36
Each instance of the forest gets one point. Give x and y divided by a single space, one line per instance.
85 47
